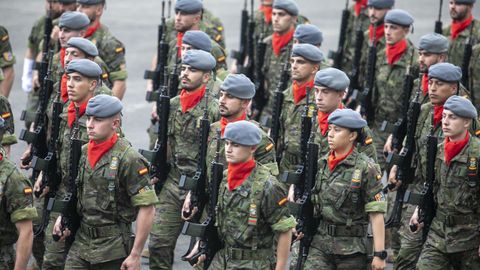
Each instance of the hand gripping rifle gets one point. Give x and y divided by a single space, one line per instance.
338 55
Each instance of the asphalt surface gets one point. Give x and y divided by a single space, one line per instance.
135 24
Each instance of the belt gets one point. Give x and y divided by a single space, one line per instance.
248 254
105 231
452 220
336 230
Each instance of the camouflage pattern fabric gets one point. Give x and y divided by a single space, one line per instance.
457 46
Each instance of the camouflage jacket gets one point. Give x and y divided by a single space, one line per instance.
36 36
346 196
6 53
108 197
457 47
112 51
6 113
249 216
380 46
474 76
16 201
455 228
354 23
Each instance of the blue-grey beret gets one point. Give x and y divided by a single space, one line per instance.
198 40
381 3
308 51
460 106
289 6
188 6
199 59
308 33
434 43
83 44
347 118
85 67
74 20
332 78
445 72
103 106
2 123
90 2
465 1
239 86
399 17
67 1
243 132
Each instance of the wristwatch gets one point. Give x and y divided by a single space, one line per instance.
381 254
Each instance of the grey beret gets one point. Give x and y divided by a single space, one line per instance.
74 20
2 123
381 3
198 40
85 67
308 51
347 118
460 106
289 6
399 17
67 1
308 33
103 106
189 6
465 1
332 78
199 59
239 86
90 2
243 132
445 72
434 43
83 44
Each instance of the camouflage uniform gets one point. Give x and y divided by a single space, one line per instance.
474 79
380 47
16 204
338 200
456 47
354 23
248 218
182 141
103 240
7 58
9 137
454 239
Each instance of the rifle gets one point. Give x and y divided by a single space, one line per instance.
427 207
174 76
278 103
162 55
241 53
467 55
69 216
260 99
366 95
404 161
355 73
338 55
438 23
207 232
250 68
160 167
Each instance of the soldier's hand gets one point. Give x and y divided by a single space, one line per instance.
26 158
132 262
291 193
297 235
187 211
38 186
35 80
388 144
57 230
154 114
394 184
378 264
414 224
153 181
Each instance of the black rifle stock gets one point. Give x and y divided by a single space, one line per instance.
467 56
174 76
242 52
338 55
278 103
250 50
354 88
366 96
260 98
438 23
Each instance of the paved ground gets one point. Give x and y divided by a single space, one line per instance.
135 22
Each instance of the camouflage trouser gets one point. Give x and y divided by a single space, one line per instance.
75 262
167 225
32 104
392 237
433 259
411 243
55 251
38 246
379 141
7 257
152 136
222 261
317 259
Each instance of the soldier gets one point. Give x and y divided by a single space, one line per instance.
453 240
109 203
17 213
358 20
110 49
443 80
347 194
464 28
249 214
185 110
7 59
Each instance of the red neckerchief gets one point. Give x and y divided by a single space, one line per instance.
437 114
188 100
71 112
453 148
224 121
322 120
395 51
333 160
63 88
95 151
267 13
459 26
62 57
180 42
359 5
92 29
425 84
379 34
238 173
300 90
280 41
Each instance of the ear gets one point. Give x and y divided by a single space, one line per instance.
353 136
245 103
93 85
206 77
253 149
468 123
82 33
442 57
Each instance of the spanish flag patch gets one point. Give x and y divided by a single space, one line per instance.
143 171
368 141
104 76
119 50
477 132
6 115
27 191
282 202
269 147
218 38
5 38
221 59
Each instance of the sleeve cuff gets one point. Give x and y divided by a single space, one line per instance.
9 139
29 213
284 225
380 207
145 198
118 75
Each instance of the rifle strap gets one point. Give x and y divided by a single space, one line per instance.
473 162
254 211
355 188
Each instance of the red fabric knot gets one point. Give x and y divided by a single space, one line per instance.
239 172
459 26
95 151
189 100
224 121
452 149
396 51
280 41
333 160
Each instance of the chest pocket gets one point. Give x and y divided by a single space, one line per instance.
109 185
